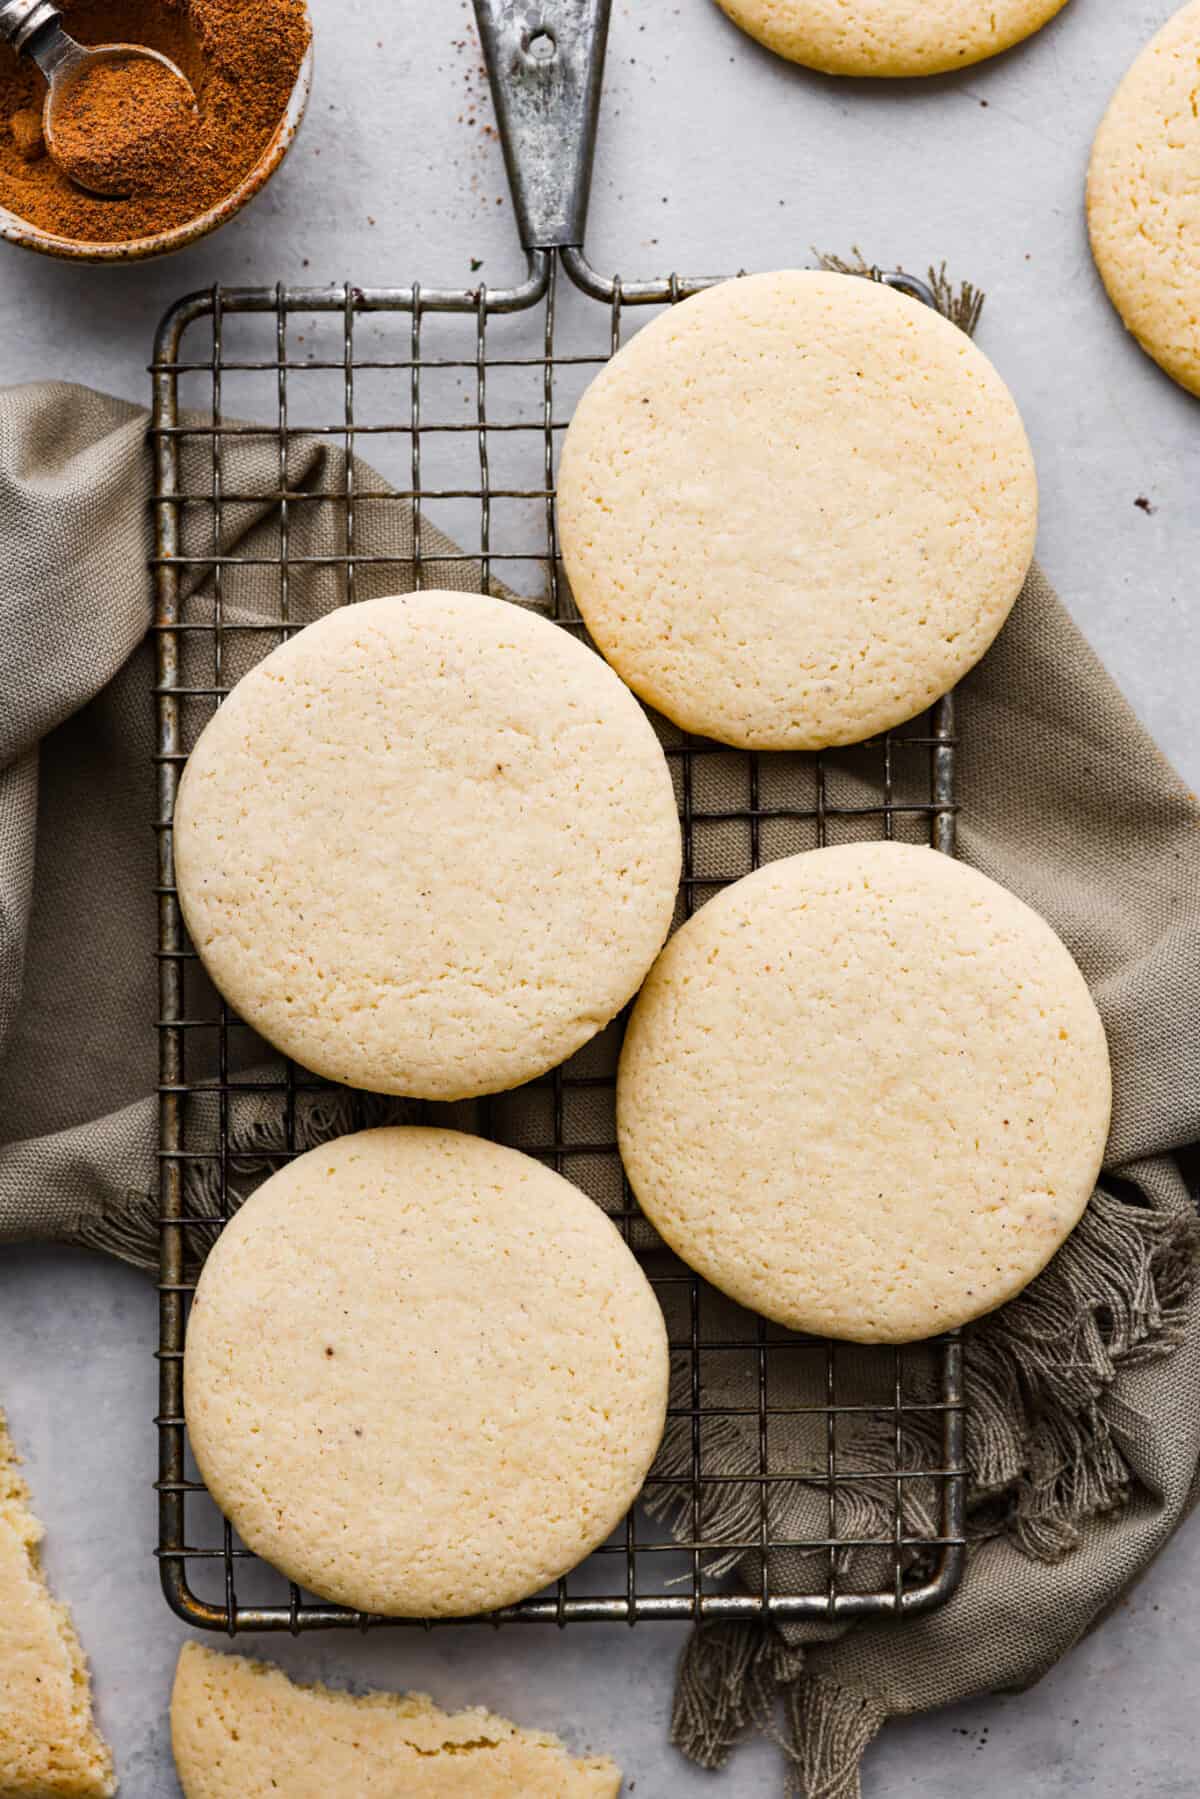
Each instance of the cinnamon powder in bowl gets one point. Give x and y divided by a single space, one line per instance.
127 128
249 62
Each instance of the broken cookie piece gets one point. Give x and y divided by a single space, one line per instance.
243 1730
49 1746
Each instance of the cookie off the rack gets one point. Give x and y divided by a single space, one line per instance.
795 509
866 1092
890 37
48 1739
429 846
424 1375
242 1730
1143 199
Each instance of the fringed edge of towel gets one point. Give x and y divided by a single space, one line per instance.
1042 1460
1042 1455
829 1730
736 1678
729 1510
126 1228
729 1679
962 304
130 1229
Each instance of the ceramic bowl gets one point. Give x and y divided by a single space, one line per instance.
30 237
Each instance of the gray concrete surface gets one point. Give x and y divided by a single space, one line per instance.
712 155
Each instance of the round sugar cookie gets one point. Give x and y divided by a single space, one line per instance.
865 1092
429 846
1143 199
795 509
423 1376
890 37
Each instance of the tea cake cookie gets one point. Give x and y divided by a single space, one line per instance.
242 1730
890 37
429 846
1143 199
423 1376
795 509
49 1745
865 1092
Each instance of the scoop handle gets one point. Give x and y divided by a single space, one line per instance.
21 20
545 64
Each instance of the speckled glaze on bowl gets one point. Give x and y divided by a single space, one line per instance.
161 243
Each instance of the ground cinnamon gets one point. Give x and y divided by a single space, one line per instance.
241 57
125 127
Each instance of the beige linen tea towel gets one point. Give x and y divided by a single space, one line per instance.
1085 1437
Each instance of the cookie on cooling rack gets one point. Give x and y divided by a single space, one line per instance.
240 1727
1143 196
424 1376
429 846
795 509
889 37
865 1092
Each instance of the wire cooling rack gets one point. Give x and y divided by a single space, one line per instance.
458 398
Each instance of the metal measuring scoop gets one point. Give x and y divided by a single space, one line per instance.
34 27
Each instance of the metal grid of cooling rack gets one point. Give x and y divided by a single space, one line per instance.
459 399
